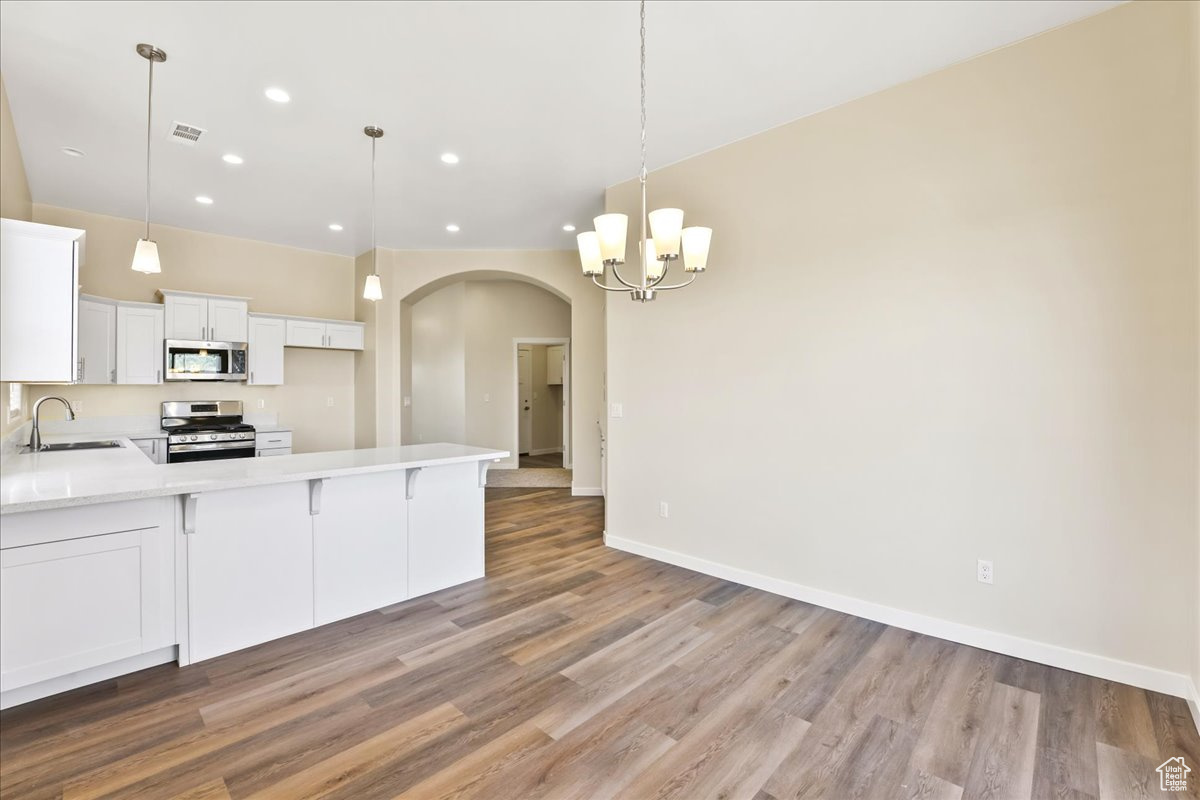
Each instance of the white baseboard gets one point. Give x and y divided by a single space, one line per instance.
1194 704
545 451
1144 677
586 491
64 683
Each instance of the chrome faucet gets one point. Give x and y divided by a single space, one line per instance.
35 435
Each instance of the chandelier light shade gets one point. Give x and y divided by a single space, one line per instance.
589 253
695 248
668 240
145 253
372 288
666 225
611 230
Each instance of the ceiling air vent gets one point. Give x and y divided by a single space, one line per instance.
182 133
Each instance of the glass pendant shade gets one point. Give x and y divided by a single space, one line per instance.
371 289
145 257
695 248
654 267
665 226
589 253
611 228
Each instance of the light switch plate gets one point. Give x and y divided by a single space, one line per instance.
616 410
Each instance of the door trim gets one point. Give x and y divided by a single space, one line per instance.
565 341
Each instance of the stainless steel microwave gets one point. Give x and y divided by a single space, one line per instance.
188 360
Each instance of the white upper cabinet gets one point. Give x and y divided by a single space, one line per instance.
343 337
265 350
39 277
97 340
206 318
305 333
139 343
326 334
227 320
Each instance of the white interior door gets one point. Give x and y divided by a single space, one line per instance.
525 397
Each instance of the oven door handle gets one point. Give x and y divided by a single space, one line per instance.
189 448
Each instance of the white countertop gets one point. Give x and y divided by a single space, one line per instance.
41 481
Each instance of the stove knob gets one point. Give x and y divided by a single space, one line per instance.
193 438
212 436
241 436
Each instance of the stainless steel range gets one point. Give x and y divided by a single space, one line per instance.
203 430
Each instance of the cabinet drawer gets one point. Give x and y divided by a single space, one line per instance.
274 451
57 524
265 441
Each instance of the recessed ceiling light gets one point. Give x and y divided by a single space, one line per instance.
333 226
278 95
452 228
203 200
569 228
230 158
74 152
449 158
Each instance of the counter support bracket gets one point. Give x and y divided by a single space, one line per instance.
483 468
189 513
314 495
410 482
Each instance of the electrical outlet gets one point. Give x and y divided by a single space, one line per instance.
487 397
664 510
407 401
983 571
329 402
77 407
616 410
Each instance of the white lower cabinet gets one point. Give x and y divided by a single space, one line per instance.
79 603
155 448
445 528
249 567
360 545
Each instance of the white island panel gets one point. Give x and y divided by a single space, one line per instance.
445 523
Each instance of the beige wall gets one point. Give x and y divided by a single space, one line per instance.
282 280
463 384
439 353
409 275
15 203
953 320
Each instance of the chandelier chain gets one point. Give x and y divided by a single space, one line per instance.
643 63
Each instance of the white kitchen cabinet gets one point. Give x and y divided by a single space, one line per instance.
139 343
97 340
273 443
555 356
206 318
79 603
360 556
39 277
227 320
305 333
265 343
445 528
324 334
155 448
249 567
341 336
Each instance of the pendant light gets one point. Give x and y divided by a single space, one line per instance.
371 289
605 246
145 254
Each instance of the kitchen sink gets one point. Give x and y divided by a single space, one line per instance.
97 445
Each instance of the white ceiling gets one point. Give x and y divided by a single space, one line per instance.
539 99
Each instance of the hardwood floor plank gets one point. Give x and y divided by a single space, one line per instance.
1126 775
1002 767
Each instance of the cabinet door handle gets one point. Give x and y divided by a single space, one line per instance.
113 379
158 376
252 376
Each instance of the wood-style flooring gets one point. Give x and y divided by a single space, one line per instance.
575 671
545 460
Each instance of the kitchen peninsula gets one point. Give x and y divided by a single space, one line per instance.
112 563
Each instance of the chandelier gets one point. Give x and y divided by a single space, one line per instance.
605 246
